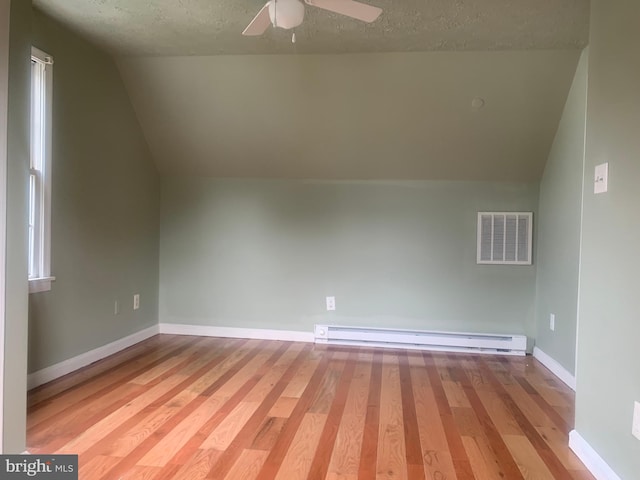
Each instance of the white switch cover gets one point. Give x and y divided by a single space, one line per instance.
635 428
331 303
116 307
601 178
136 301
552 321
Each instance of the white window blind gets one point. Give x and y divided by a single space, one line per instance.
40 172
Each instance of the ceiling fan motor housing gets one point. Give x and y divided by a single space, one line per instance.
286 13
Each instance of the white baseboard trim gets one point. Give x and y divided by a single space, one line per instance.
594 462
557 369
232 332
60 369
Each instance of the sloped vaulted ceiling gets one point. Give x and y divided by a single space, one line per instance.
367 116
398 105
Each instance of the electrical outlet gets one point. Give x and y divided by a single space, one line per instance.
552 321
635 427
331 303
136 301
116 307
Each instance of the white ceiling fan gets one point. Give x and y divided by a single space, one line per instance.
289 14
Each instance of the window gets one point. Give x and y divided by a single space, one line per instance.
504 238
40 173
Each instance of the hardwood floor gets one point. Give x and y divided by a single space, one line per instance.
180 407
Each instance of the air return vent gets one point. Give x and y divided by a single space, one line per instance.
504 238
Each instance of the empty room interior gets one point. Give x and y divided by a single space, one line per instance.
295 253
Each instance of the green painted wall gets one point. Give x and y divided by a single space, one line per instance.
558 232
264 254
608 372
15 375
105 208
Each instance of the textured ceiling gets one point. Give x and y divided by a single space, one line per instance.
212 27
401 106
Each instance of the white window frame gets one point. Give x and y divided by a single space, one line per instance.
40 172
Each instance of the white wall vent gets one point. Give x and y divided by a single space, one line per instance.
505 238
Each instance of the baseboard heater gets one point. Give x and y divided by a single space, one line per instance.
421 340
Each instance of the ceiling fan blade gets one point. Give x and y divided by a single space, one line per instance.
350 8
260 22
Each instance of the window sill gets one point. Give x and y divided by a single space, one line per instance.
37 285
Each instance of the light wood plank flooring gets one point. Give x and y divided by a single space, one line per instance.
180 407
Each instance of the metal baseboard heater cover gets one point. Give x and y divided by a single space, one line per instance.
422 340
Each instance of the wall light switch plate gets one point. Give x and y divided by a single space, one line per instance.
331 303
552 321
601 178
136 301
635 428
